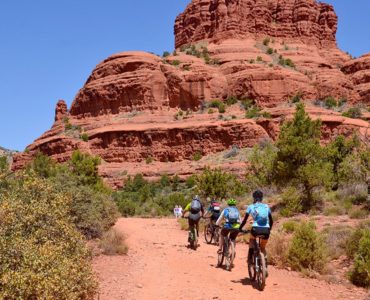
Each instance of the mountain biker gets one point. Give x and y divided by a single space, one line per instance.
214 210
232 221
262 223
195 207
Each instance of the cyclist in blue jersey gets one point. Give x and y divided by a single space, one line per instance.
262 223
232 221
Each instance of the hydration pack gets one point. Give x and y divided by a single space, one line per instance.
232 215
261 214
195 206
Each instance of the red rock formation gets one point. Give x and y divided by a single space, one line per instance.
127 106
304 20
61 110
359 71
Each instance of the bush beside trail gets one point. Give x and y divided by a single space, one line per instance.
42 253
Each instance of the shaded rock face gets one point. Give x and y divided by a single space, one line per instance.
216 20
359 72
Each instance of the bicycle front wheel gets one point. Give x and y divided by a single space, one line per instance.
261 276
208 234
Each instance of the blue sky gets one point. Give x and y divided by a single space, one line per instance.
48 49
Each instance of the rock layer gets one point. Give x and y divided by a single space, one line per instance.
215 20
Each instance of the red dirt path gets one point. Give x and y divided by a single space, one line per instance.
160 266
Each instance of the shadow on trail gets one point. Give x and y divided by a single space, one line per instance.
246 281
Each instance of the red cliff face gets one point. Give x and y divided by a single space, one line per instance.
217 20
146 114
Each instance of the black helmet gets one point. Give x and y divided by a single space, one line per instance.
257 195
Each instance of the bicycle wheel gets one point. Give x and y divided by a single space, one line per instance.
221 256
208 234
216 235
195 239
230 255
261 276
252 269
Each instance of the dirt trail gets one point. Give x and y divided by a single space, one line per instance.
160 266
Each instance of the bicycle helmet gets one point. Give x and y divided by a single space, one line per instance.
231 202
257 196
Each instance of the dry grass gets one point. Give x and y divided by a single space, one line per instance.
113 243
277 249
336 240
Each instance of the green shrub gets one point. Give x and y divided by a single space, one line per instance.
358 213
330 102
215 103
210 111
291 201
270 51
253 112
84 137
266 41
252 61
216 183
307 250
353 112
360 275
42 254
221 108
259 58
3 163
43 165
191 181
165 54
176 62
289 63
231 100
248 103
290 226
297 98
334 211
149 160
197 156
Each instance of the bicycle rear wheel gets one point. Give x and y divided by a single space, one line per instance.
221 255
208 234
261 276
230 255
195 240
252 269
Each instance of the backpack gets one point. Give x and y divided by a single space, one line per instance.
261 214
195 206
216 207
232 215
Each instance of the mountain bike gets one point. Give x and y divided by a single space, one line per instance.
257 266
228 251
193 236
211 233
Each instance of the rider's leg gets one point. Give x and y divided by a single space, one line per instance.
197 226
252 241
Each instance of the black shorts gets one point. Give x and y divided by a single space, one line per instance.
233 233
193 219
261 231
214 217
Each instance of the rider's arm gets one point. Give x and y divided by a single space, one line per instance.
219 220
270 220
187 208
244 221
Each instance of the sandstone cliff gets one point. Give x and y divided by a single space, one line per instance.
144 113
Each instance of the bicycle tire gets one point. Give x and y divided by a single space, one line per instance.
195 240
261 276
230 255
216 235
208 234
252 269
220 258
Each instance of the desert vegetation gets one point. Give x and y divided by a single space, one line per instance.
48 212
